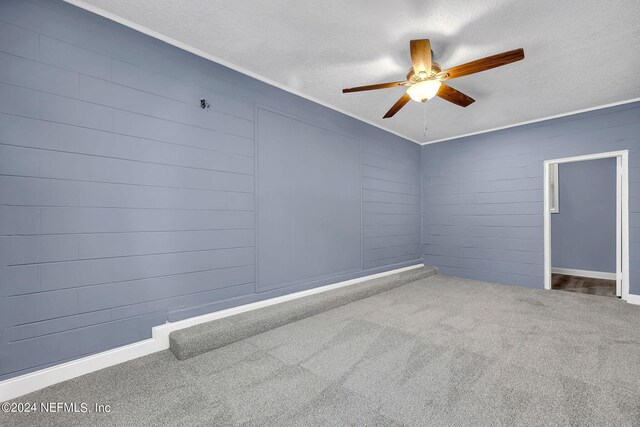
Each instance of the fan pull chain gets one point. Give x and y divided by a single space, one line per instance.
425 119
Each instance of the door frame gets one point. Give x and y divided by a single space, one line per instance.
622 216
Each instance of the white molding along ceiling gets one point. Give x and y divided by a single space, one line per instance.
578 57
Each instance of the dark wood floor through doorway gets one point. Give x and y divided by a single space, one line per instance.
584 285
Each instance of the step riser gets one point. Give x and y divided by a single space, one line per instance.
198 339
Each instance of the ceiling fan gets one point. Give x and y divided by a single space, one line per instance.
425 78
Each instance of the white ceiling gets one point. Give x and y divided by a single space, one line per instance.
580 54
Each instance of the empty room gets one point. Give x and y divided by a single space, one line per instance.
296 213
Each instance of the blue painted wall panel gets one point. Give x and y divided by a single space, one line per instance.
482 195
124 205
18 41
310 226
583 232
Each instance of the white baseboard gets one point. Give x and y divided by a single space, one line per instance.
633 299
19 386
162 331
584 273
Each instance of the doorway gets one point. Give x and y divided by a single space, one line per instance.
609 270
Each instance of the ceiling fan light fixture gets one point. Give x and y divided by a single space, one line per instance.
424 78
424 90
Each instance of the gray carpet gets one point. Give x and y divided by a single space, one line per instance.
198 339
439 351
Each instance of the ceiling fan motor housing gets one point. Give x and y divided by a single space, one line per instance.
435 69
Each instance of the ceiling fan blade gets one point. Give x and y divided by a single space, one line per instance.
482 64
420 56
372 87
455 96
397 106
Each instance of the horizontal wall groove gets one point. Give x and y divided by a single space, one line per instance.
472 203
390 214
394 246
409 175
391 235
391 192
45 291
396 155
133 112
481 225
70 329
476 271
128 256
185 295
370 202
78 153
135 137
127 183
386 179
89 233
98 52
160 95
126 208
487 237
131 135
392 258
388 225
539 252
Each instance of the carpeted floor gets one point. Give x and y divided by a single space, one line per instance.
439 351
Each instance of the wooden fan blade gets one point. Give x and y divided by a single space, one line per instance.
482 64
397 106
455 96
372 87
420 56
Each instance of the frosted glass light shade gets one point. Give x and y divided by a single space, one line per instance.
424 90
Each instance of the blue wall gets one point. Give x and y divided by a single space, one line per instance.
583 232
482 195
123 205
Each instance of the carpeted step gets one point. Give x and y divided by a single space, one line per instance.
198 339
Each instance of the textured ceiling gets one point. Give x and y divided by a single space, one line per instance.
579 53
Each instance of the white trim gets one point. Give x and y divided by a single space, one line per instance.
542 119
584 273
18 386
164 330
618 275
184 46
624 180
622 221
595 156
546 221
556 191
633 299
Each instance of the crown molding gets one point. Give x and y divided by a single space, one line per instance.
542 119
